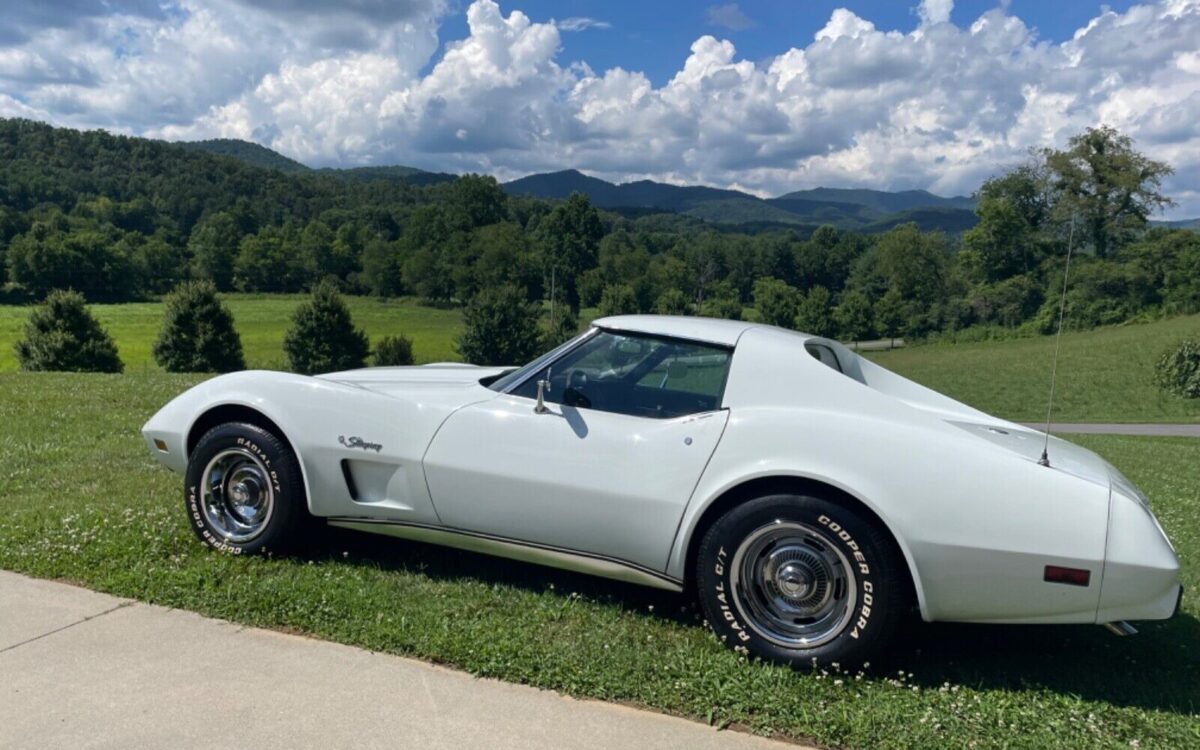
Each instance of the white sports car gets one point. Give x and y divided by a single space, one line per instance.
808 496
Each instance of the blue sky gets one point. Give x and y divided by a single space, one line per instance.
767 97
654 36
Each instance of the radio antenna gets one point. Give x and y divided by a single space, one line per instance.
1062 308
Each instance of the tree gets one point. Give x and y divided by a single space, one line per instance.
1014 216
890 315
827 257
425 273
777 303
393 351
62 335
618 299
381 273
1170 258
476 201
705 262
671 302
722 303
315 248
159 264
500 327
564 326
814 314
1112 188
853 316
267 262
570 235
213 246
198 334
59 253
904 258
503 256
323 337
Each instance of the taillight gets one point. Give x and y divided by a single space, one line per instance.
1069 576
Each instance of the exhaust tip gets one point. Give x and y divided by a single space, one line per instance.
1121 628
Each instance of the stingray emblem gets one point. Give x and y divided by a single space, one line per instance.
357 442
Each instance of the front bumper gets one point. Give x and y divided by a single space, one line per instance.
1141 570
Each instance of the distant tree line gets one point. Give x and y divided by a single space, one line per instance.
120 218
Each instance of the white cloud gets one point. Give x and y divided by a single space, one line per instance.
581 23
728 16
935 11
938 106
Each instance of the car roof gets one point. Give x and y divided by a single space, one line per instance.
710 330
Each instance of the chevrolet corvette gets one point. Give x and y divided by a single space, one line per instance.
808 497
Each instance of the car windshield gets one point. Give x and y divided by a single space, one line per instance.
511 378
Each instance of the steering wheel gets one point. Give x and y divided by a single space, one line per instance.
573 394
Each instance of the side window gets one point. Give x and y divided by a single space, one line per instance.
825 355
638 375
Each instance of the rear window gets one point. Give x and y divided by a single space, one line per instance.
825 355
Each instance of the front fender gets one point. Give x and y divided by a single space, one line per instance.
313 414
976 524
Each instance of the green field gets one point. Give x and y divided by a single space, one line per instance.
261 322
83 501
1104 375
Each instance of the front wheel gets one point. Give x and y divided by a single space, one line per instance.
243 491
800 580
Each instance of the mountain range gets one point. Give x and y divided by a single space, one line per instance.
859 209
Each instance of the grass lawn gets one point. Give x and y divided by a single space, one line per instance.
261 321
1104 375
82 500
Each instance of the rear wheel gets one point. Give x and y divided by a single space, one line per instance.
243 490
801 580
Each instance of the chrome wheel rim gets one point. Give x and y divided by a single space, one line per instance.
238 498
793 585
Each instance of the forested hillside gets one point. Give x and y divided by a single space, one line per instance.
245 151
126 218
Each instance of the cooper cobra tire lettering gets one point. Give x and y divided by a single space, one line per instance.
282 472
875 605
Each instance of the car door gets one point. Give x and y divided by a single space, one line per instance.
629 424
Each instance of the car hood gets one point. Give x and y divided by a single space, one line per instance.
1064 456
406 381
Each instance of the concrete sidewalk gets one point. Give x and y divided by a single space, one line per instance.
81 669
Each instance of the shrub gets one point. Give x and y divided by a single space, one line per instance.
500 328
198 333
1178 371
323 337
62 335
393 351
